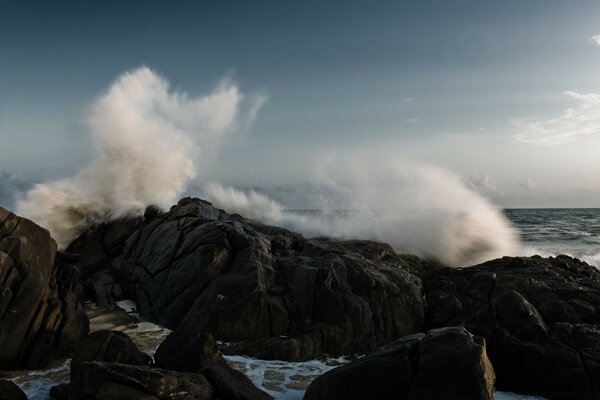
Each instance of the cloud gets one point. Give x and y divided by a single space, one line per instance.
527 184
596 40
483 183
581 120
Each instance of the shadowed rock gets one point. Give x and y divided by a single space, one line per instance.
110 346
10 391
41 315
531 311
188 351
447 363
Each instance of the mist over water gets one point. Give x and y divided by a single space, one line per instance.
153 141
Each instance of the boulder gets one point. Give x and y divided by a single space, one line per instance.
41 314
10 391
447 363
110 346
271 291
539 316
188 351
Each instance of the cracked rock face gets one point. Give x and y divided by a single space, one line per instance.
446 363
275 293
41 315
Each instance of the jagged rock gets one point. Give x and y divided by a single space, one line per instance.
530 311
110 346
188 351
275 293
10 391
447 363
41 317
103 381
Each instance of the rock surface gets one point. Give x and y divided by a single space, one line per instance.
110 346
539 316
41 315
188 351
10 391
108 365
275 293
447 363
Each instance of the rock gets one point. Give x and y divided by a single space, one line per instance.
447 363
188 351
41 317
10 391
530 311
230 384
110 346
104 381
273 292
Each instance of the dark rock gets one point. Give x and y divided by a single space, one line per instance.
108 381
110 346
104 381
10 391
188 351
447 363
230 384
41 316
530 311
275 293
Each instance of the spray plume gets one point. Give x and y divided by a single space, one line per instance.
150 141
147 137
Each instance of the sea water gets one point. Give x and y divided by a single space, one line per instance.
546 232
549 232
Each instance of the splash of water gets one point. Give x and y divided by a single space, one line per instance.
419 210
152 141
147 137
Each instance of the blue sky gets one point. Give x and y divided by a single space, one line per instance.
483 89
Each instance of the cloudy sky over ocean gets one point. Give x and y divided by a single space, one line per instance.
504 94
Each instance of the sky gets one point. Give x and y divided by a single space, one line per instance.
506 94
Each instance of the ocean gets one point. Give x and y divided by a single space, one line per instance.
553 231
547 232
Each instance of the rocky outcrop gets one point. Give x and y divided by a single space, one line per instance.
41 315
272 292
447 363
10 391
539 316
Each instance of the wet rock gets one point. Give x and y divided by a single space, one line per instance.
530 311
41 315
188 351
273 292
447 363
10 391
110 346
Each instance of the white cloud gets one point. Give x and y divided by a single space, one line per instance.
581 120
596 40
